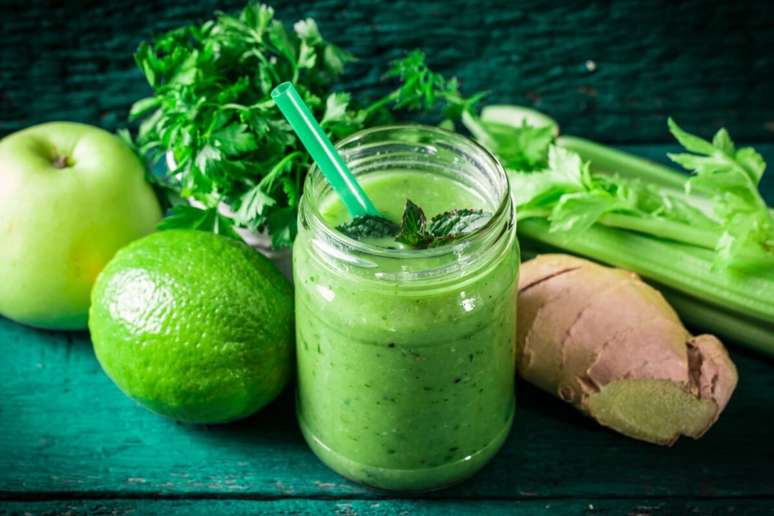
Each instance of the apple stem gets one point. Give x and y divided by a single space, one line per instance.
62 162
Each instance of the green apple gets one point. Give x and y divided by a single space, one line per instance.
71 195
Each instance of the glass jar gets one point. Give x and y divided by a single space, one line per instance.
406 356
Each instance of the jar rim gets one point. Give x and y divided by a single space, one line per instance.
504 202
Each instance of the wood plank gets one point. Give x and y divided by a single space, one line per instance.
64 428
613 71
589 507
66 431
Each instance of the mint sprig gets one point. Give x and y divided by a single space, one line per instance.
415 230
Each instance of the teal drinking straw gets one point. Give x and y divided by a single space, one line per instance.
324 154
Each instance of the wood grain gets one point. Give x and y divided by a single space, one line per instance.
205 507
608 70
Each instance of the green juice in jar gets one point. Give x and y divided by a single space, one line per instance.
405 356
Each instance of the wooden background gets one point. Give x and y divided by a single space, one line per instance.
608 70
70 442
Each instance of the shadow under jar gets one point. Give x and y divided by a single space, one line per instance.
406 356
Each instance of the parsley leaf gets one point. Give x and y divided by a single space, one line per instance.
191 217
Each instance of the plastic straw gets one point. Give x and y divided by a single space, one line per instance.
324 154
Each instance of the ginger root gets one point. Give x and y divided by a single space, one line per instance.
609 344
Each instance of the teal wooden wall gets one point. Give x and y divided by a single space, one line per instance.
609 70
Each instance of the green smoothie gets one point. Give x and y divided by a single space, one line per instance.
405 377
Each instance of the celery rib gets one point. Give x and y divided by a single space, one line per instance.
697 314
752 334
685 268
663 228
611 161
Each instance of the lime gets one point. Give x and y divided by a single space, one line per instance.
194 326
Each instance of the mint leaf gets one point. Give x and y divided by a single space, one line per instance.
369 226
413 230
454 223
451 225
442 229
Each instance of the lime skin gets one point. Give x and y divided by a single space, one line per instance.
194 326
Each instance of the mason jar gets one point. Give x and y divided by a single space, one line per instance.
406 356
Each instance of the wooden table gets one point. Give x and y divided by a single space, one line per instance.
70 442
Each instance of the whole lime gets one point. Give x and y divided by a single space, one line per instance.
194 326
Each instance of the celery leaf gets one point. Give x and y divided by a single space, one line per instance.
730 176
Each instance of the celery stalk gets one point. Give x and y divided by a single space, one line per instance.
606 160
737 328
679 232
686 269
672 230
697 314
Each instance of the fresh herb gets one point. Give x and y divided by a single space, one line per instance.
571 198
453 224
415 230
369 226
732 176
521 147
231 150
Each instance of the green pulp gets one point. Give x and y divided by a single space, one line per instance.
405 385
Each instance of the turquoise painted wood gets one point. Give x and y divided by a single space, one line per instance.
591 506
610 70
71 441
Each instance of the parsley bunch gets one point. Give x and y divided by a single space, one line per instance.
232 152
